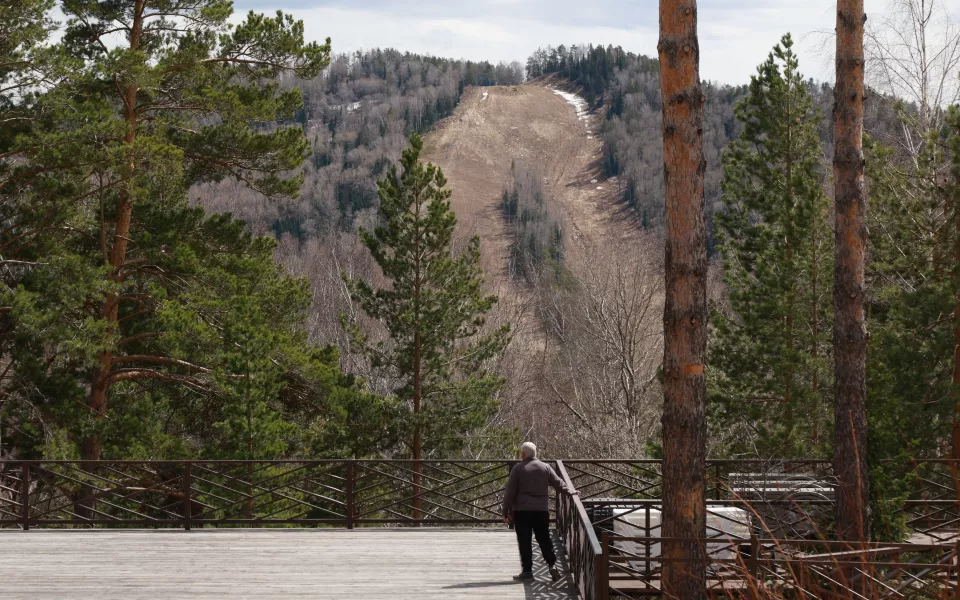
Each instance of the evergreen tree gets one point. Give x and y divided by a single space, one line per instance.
433 311
114 286
769 354
141 123
914 272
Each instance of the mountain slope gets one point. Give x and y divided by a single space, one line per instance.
532 124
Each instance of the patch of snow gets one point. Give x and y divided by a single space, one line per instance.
593 181
589 137
578 103
599 187
350 107
485 94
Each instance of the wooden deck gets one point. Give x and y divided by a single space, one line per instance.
369 564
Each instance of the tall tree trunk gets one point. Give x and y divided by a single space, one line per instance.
788 383
791 298
685 308
955 449
849 329
417 434
417 374
92 445
815 328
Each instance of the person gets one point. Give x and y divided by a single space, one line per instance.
526 507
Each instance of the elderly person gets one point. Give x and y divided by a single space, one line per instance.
526 506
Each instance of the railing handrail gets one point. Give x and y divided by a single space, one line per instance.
570 461
581 511
282 461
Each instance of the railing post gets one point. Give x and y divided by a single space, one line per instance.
603 573
25 497
718 489
753 565
351 486
187 489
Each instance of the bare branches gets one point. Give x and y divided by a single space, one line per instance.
913 52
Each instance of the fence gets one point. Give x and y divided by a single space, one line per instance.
765 518
189 494
767 568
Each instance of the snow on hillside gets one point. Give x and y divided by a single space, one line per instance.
349 107
579 104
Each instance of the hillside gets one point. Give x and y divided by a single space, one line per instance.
587 340
496 126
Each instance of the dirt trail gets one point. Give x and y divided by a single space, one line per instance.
494 126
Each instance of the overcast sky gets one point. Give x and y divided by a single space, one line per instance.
735 35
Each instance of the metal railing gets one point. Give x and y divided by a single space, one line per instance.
792 498
187 494
768 511
769 568
583 549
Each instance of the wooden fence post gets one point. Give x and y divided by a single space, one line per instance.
351 486
187 490
25 497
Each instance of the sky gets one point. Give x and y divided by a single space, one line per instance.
735 35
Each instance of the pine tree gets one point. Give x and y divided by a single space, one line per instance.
141 123
915 294
433 311
769 354
685 304
116 267
849 282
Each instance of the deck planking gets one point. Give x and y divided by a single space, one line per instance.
395 564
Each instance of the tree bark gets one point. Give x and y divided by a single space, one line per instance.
417 373
417 434
955 446
849 330
91 447
685 308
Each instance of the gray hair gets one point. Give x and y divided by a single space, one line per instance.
529 449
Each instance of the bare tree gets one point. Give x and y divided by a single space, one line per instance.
685 308
913 53
602 349
849 329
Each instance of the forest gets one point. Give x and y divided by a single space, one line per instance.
223 242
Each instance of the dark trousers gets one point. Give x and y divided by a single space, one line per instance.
533 522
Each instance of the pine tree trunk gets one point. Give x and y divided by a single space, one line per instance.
849 331
791 300
100 382
417 374
955 449
685 308
815 328
91 446
417 434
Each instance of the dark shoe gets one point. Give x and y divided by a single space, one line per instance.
523 576
554 574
